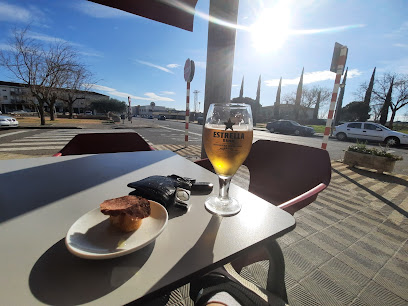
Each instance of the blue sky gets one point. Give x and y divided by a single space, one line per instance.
134 56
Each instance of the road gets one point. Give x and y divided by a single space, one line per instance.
37 142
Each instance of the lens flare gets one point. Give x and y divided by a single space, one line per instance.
271 29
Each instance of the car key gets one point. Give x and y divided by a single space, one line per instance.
201 188
182 198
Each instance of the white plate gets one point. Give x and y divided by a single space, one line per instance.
92 236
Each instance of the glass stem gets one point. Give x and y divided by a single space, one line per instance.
224 187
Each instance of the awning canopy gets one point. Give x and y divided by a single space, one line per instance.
171 12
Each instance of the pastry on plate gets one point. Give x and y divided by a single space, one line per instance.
127 212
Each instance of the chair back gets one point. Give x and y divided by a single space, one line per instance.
287 175
281 172
94 143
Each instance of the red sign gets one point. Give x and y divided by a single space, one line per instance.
335 58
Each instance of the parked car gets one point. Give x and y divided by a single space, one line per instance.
6 121
370 131
289 127
88 113
150 117
200 120
161 117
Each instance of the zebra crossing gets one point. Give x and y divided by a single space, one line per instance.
48 140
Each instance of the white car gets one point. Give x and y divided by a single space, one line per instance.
6 121
370 131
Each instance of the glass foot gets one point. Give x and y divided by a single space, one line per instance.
218 206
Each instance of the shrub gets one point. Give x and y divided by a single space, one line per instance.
383 152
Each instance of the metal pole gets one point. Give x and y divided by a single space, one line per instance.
340 67
187 113
220 55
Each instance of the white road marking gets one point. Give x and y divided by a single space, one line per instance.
17 132
165 127
30 148
47 137
32 144
42 139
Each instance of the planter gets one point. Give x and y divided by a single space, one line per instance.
379 163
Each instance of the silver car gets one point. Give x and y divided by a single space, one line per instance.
370 131
6 121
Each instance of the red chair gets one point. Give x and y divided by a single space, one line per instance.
95 143
288 175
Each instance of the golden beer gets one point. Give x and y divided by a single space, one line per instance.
227 150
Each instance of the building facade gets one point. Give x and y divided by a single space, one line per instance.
17 97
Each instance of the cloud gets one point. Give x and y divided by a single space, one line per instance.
200 64
150 96
47 38
14 13
154 97
172 66
6 47
327 30
401 31
26 14
401 45
91 53
99 11
168 92
155 66
312 77
399 65
100 87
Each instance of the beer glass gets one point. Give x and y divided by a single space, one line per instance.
227 140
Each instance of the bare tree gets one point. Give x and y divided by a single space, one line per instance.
44 70
399 97
78 81
310 99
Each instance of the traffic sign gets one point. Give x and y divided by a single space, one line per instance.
189 69
335 58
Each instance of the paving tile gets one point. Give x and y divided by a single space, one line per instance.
394 282
317 221
360 263
326 242
326 290
290 238
345 276
299 296
297 266
375 294
311 252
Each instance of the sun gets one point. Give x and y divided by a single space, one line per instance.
271 29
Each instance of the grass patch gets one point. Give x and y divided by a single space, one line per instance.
59 121
405 131
318 128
